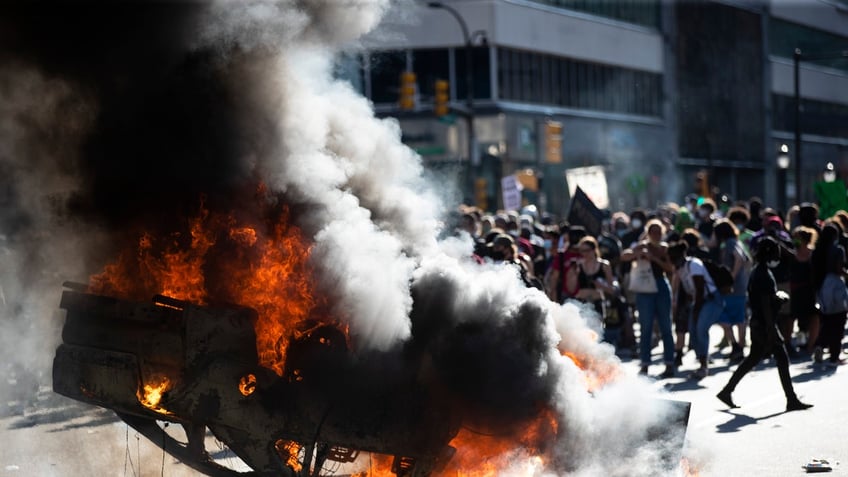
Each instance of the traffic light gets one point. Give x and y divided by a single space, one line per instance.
441 98
481 193
406 99
553 142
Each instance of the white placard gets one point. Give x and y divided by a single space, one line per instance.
511 193
592 180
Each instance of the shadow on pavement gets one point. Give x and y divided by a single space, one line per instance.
741 420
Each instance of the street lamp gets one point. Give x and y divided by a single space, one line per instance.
829 174
797 56
782 166
469 89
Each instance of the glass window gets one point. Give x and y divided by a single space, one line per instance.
817 117
546 79
430 65
480 69
640 12
386 67
785 36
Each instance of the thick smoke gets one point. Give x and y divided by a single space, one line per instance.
120 115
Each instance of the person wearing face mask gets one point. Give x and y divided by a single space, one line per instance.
773 227
638 218
705 218
766 339
620 224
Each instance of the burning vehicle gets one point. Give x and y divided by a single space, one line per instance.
196 366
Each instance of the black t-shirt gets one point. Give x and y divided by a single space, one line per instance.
761 284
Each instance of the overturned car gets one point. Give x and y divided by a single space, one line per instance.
196 366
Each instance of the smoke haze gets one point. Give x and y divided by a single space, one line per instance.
118 116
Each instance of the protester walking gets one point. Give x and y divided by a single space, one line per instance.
766 338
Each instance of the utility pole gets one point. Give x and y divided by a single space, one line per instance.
469 90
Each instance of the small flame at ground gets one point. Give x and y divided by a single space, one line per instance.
290 453
688 469
151 392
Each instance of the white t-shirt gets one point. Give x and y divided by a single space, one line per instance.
694 266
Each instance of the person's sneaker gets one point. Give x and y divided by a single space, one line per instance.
724 396
699 373
668 373
643 370
818 355
797 405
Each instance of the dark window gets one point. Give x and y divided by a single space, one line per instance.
430 65
640 12
546 79
817 117
784 37
719 82
480 69
386 68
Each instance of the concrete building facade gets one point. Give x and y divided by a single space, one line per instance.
651 91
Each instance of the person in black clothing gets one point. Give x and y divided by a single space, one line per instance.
765 333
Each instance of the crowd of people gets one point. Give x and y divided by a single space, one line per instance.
666 276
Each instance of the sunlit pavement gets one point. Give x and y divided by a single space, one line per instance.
759 438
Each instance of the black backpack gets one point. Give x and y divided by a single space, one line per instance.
721 275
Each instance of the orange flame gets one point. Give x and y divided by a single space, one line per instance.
520 453
150 393
596 373
289 452
247 384
261 265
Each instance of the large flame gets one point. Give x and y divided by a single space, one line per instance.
220 258
522 453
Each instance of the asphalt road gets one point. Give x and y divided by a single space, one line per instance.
760 438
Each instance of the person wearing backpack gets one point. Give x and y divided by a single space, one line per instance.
707 302
733 256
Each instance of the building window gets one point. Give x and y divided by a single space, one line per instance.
785 36
817 117
430 65
640 12
550 80
480 70
385 70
